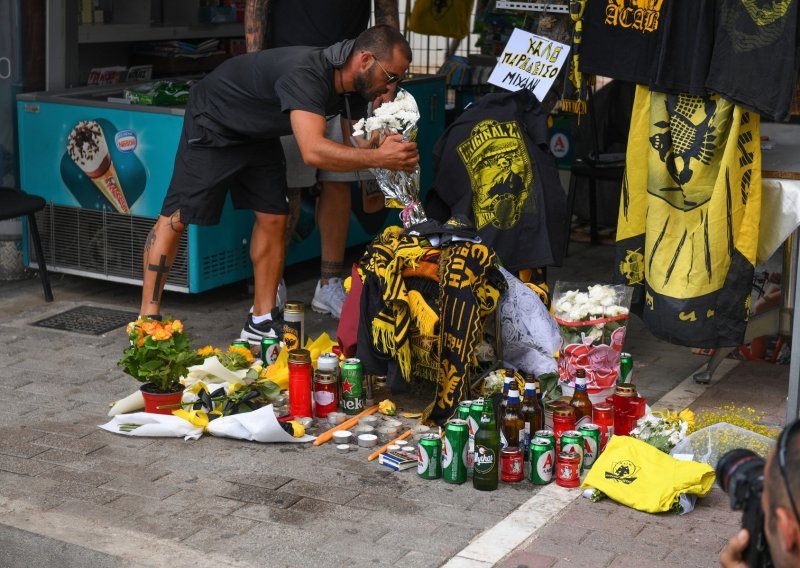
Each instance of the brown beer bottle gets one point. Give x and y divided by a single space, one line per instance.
531 412
507 382
580 399
513 426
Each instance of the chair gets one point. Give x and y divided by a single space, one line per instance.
15 203
595 167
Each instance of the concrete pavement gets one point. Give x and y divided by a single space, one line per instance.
87 497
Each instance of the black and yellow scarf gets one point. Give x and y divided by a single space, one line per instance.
689 214
431 336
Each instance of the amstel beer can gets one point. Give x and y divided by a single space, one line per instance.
545 435
352 378
429 456
270 348
568 469
454 451
542 462
572 441
625 368
591 444
463 409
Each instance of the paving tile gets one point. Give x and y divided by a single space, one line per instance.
381 502
23 466
265 480
135 486
86 477
76 445
525 559
320 492
417 559
577 555
619 544
82 492
252 494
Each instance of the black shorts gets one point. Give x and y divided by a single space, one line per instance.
208 165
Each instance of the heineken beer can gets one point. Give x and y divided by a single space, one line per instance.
454 451
542 462
270 348
241 343
429 456
473 421
572 441
352 378
591 444
625 368
463 409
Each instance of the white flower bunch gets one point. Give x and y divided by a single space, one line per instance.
661 430
598 302
399 115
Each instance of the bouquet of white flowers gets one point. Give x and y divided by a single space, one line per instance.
401 188
591 321
664 429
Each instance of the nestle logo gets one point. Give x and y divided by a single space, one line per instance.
126 140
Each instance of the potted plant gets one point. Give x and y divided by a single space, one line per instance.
159 354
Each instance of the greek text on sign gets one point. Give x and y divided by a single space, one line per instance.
529 62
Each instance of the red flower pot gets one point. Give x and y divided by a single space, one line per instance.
154 398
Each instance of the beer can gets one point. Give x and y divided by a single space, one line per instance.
429 456
352 377
241 343
568 469
591 444
625 368
572 441
270 348
454 451
511 465
463 409
547 435
473 421
542 462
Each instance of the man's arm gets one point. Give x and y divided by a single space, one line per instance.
255 24
317 151
386 13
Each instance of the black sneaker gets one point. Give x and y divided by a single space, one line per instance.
253 332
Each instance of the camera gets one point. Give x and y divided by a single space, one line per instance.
740 474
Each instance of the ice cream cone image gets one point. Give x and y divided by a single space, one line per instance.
87 147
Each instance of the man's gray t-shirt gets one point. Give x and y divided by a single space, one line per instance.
248 98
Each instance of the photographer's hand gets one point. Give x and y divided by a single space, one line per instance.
731 555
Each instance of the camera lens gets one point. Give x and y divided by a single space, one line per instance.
738 465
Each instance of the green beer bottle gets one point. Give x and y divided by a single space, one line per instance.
486 461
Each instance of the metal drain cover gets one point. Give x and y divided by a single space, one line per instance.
88 320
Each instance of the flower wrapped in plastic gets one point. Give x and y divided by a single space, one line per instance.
400 188
591 321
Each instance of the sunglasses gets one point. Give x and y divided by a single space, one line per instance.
783 442
390 77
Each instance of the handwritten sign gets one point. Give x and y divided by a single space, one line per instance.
529 62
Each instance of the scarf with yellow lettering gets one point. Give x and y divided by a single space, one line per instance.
689 216
469 290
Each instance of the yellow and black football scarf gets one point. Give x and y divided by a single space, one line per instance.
689 213
469 291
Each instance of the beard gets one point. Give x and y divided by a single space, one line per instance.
363 88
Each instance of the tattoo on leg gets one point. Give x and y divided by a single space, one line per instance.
175 218
330 269
161 269
150 241
294 215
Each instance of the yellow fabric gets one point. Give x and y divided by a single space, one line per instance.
636 474
448 18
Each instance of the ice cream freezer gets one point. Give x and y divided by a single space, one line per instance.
104 166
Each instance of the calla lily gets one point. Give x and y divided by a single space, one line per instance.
197 387
198 418
233 387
